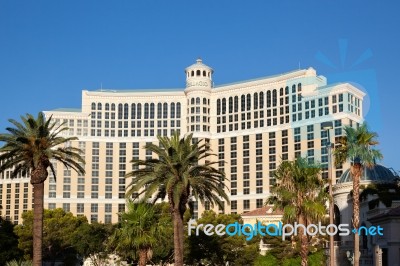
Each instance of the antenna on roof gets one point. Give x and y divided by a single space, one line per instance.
299 65
101 86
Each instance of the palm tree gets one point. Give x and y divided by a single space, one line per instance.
178 174
142 228
29 147
357 147
384 192
299 192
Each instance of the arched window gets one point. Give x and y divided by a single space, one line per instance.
204 73
107 107
172 110
230 105
218 107
126 111
197 100
178 110
274 98
281 92
93 106
165 110
139 111
198 73
268 98
223 106
248 102
243 103
120 111
99 106
286 90
204 101
112 107
192 101
255 96
133 111
192 73
236 104
208 73
146 111
159 110
152 111
299 87
294 89
261 100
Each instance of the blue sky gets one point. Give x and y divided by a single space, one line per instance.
51 50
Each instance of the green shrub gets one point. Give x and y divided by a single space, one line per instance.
267 260
19 263
316 259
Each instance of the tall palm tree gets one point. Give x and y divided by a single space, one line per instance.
142 228
29 148
357 147
178 173
299 192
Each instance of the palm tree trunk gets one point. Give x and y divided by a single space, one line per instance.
143 257
357 171
38 192
178 238
303 242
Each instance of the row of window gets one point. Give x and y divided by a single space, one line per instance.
174 110
246 101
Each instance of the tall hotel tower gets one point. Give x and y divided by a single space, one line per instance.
251 125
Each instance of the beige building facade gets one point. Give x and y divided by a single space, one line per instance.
251 125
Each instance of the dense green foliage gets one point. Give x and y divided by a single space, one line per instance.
58 228
8 242
70 237
64 236
217 250
314 259
142 228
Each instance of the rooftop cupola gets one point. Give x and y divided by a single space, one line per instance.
198 77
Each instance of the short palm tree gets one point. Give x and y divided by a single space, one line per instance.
29 148
178 174
142 228
299 192
357 147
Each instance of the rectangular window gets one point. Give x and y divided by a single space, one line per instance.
93 218
246 204
259 203
66 207
108 207
94 207
80 207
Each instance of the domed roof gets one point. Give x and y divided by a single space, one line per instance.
377 173
199 65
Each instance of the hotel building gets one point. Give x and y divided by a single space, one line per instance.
251 125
